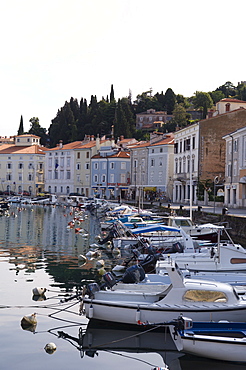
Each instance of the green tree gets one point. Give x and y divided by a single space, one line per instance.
217 95
202 101
179 115
21 127
111 96
37 130
228 89
170 101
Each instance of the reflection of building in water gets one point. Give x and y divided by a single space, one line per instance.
44 228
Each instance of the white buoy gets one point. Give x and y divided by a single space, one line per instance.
29 320
50 348
94 246
100 263
39 291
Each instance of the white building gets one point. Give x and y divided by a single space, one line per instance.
185 178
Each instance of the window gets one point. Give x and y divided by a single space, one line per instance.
9 166
160 161
193 142
123 165
56 175
78 166
50 162
227 106
68 175
96 179
180 147
122 178
112 165
152 162
104 165
20 166
111 178
30 166
61 189
235 145
176 148
19 176
30 177
49 175
161 150
78 155
68 161
62 175
103 178
135 163
9 176
62 161
87 166
199 295
153 150
96 166
87 154
86 178
55 189
176 166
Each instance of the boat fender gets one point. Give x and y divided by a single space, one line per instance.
39 291
90 314
138 315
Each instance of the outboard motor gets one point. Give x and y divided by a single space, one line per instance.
133 274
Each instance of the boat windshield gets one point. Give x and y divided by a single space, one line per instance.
199 295
182 223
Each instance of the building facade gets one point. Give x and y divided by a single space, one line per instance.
186 159
22 165
110 173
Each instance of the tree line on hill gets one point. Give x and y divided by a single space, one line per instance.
107 116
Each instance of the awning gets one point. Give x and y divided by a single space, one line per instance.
149 188
243 180
94 187
111 187
123 188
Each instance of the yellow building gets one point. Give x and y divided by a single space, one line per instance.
22 165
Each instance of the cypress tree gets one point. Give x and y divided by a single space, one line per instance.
111 97
21 127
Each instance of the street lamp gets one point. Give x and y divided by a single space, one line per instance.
216 180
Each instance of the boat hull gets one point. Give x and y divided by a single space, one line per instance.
214 347
131 313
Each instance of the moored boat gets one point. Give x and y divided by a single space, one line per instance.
202 300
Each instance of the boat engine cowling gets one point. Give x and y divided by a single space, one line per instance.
133 274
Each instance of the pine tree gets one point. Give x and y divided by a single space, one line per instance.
21 127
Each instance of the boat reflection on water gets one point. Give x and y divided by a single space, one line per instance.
123 340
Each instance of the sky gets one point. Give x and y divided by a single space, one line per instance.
52 50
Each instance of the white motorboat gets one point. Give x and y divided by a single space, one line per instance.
200 232
225 341
225 255
201 300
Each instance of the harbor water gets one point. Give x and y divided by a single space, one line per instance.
39 249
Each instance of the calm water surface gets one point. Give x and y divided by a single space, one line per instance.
37 249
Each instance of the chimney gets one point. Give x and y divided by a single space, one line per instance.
60 144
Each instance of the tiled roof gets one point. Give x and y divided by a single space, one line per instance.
119 154
15 149
230 100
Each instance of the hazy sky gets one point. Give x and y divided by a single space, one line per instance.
52 50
